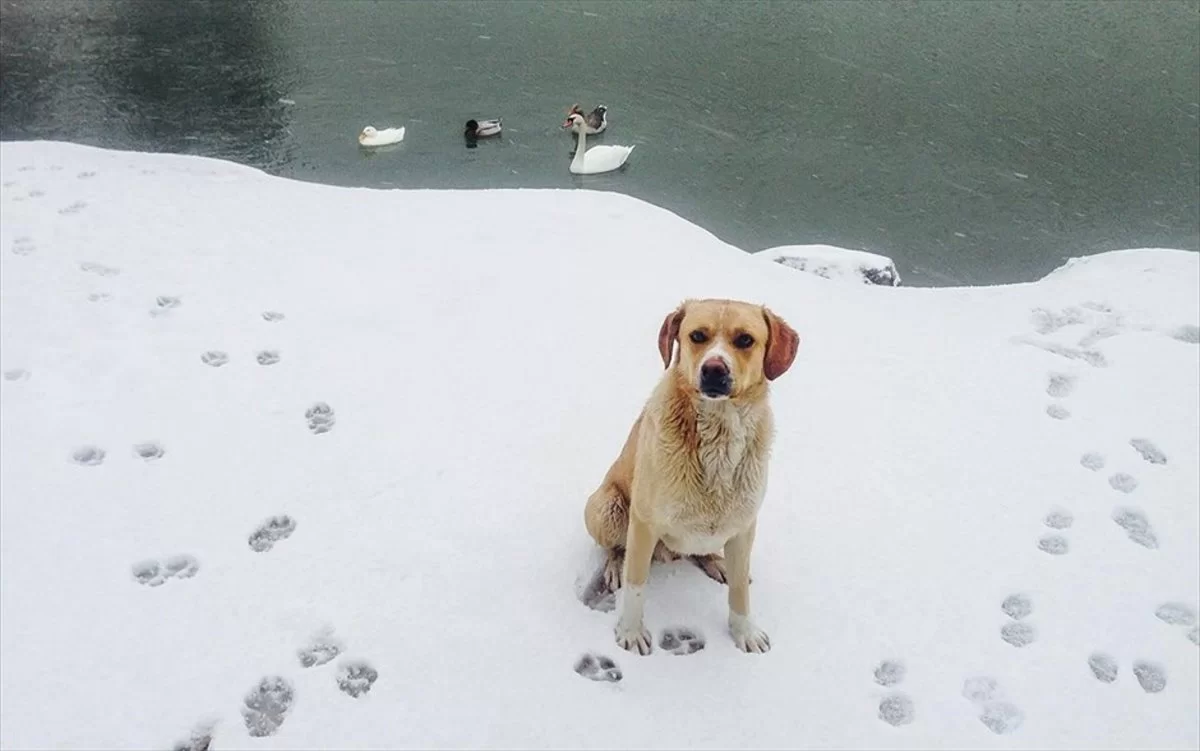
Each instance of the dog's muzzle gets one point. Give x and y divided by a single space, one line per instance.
715 379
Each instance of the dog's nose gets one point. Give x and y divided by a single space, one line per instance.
714 367
714 378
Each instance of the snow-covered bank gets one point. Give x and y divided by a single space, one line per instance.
994 488
831 262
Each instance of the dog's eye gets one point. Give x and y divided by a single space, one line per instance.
698 336
743 341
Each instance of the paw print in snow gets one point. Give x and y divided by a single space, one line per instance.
267 706
271 531
356 679
681 641
598 668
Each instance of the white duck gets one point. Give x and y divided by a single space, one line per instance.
598 158
372 137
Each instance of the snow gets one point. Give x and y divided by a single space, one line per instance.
832 262
395 496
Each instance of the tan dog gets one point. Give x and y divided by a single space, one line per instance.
693 471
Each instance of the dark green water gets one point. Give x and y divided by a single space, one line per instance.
973 142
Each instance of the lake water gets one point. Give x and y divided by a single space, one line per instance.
973 142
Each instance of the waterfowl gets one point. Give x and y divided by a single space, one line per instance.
598 158
594 122
483 128
372 137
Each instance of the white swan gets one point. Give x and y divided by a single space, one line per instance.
598 158
372 137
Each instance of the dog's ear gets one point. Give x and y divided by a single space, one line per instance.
669 333
782 342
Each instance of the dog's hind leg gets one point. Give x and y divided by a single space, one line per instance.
607 519
712 565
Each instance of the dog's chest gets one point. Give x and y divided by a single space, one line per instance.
721 492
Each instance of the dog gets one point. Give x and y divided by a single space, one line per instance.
693 472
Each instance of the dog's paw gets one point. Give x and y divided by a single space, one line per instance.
747 636
612 570
634 639
713 566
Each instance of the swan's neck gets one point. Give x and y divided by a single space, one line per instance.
580 148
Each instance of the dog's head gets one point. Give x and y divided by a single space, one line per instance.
726 347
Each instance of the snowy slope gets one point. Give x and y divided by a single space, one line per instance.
481 362
829 262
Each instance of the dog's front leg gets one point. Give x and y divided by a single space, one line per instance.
639 548
747 636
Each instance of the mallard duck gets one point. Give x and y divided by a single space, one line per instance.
598 158
372 137
483 128
593 123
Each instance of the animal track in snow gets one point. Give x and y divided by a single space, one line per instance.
596 593
1092 461
1054 544
149 450
681 641
267 357
266 706
167 302
1176 614
1060 385
73 208
1018 634
1103 666
16 374
890 672
897 709
1059 519
1136 525
36 193
1047 321
1148 450
272 316
1017 606
85 175
1123 482
1058 411
321 649
321 418
153 573
199 740
1091 357
99 297
1187 333
356 678
99 269
1151 676
271 531
181 567
23 246
1099 334
979 689
1001 717
596 667
214 358
88 456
